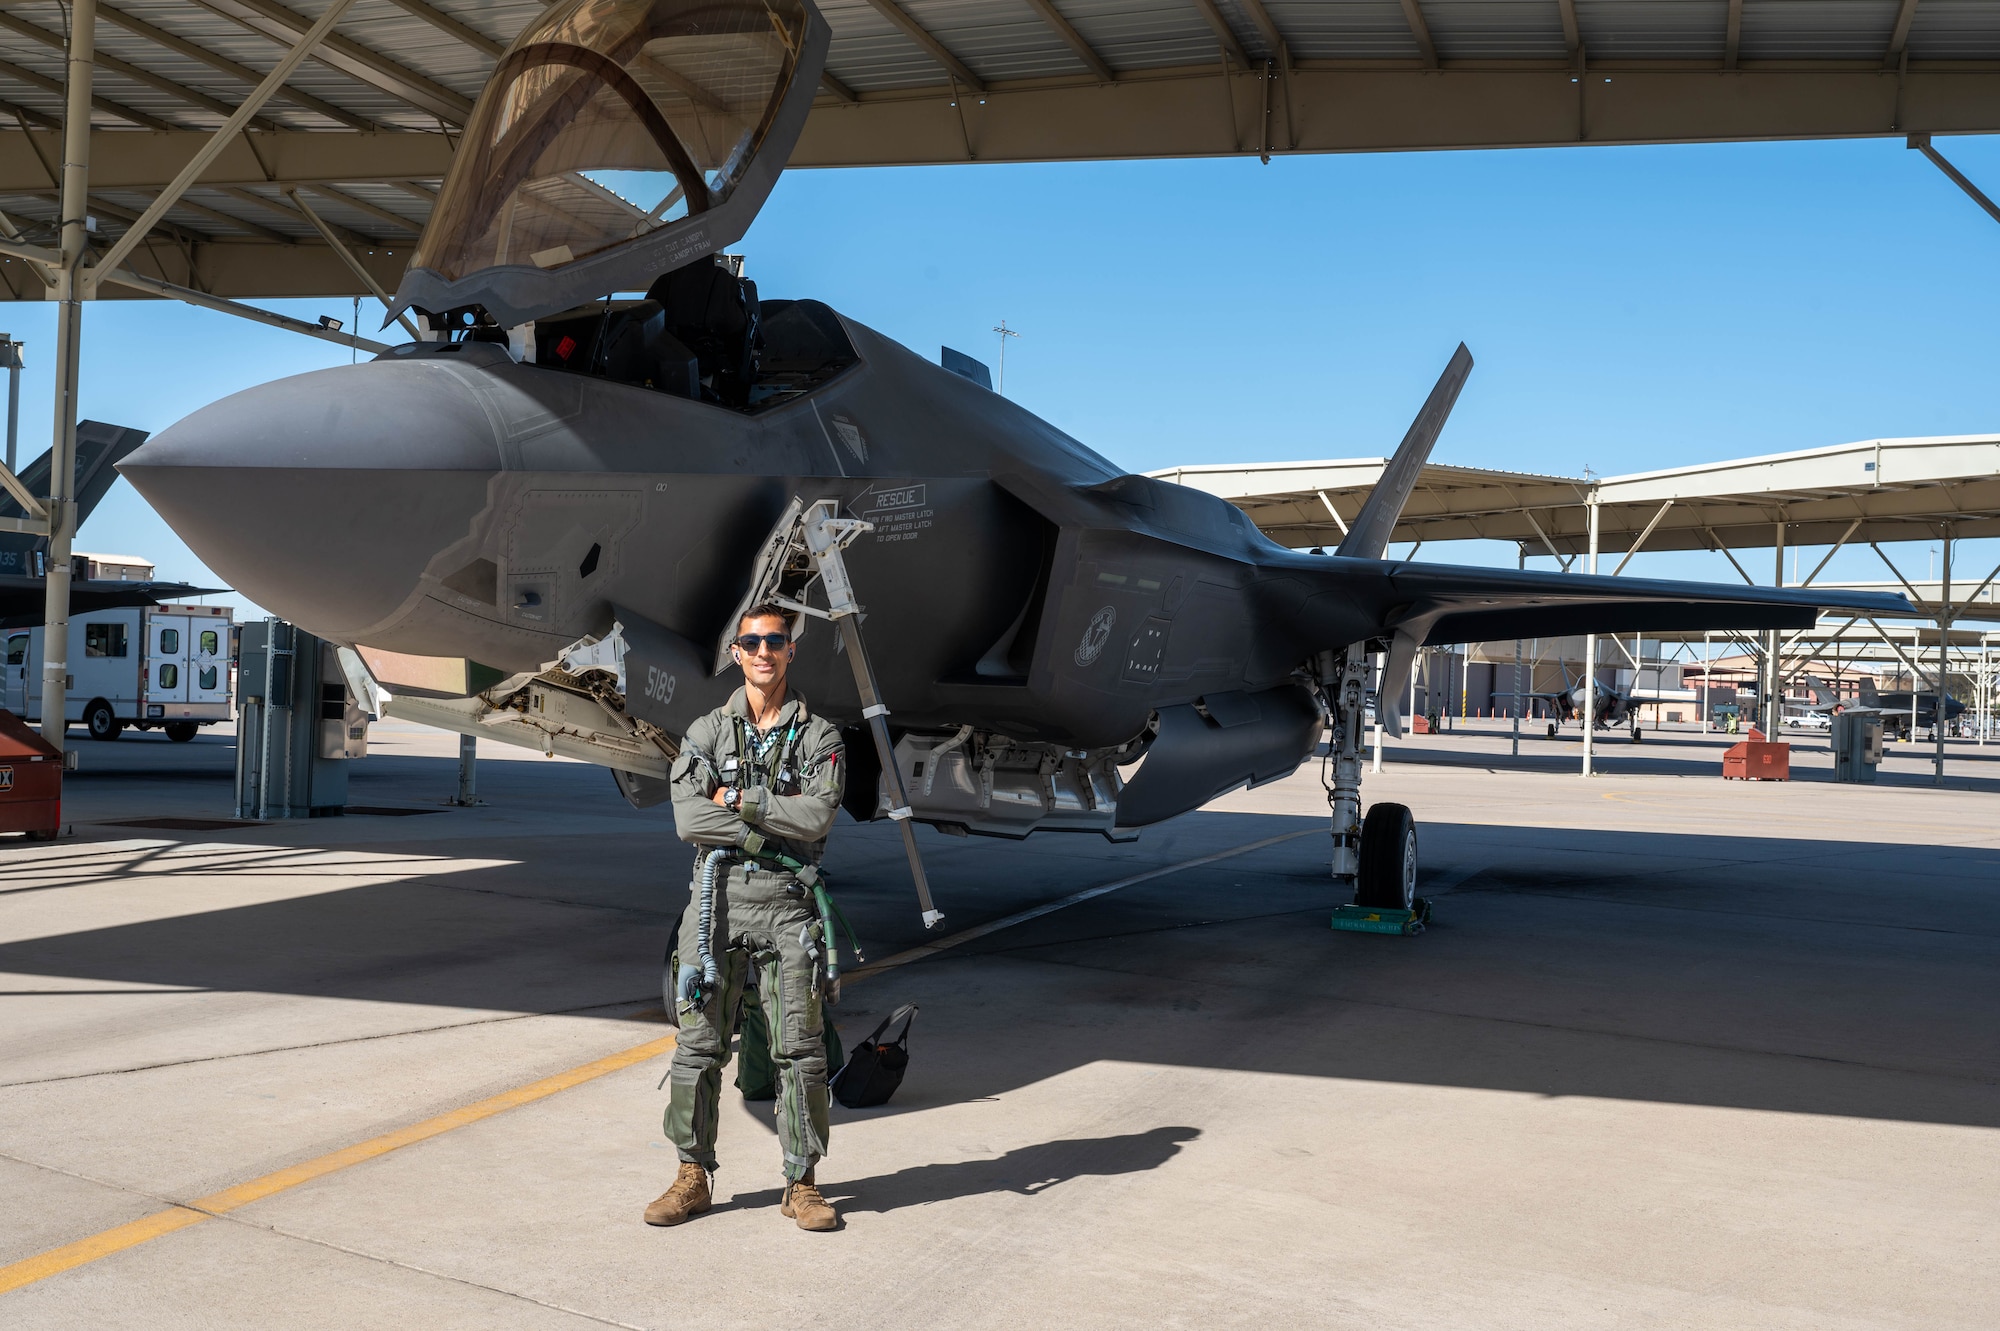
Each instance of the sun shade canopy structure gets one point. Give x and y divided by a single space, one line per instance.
1872 490
362 134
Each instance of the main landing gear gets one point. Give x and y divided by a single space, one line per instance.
1375 857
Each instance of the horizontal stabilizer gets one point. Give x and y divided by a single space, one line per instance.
1369 535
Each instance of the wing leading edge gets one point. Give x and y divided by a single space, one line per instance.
1422 605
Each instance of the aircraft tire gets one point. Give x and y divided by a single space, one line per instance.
99 720
1552 730
1388 877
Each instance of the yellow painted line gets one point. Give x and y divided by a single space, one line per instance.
130 1235
146 1228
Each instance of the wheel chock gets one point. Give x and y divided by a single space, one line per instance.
1380 920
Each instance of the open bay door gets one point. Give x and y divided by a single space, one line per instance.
617 140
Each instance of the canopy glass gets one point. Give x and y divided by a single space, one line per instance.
608 120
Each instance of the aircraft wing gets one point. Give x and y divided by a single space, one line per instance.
1418 605
1485 605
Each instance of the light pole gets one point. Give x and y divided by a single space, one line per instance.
1005 333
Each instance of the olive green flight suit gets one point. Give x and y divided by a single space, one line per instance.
762 918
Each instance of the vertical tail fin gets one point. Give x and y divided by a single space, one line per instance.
1368 537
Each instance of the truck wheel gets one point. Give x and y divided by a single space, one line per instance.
180 732
99 721
1388 877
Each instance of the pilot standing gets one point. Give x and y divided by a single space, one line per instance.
756 787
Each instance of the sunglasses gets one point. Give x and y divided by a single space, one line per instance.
777 642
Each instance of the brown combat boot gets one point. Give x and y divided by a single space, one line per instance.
687 1198
804 1204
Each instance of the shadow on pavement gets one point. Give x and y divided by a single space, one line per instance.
1848 978
1028 1171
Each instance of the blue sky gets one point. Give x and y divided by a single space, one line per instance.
1629 308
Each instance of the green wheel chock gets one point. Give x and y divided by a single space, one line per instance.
1375 920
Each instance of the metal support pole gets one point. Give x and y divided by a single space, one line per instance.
11 350
1590 662
1944 663
1521 562
1768 702
69 338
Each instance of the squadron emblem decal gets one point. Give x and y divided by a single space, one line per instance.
1096 636
850 434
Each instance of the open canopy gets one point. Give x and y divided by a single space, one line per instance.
617 139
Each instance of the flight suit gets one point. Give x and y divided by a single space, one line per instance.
762 917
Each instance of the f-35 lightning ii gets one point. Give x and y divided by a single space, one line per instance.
541 524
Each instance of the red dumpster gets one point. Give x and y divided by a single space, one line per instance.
1757 759
30 781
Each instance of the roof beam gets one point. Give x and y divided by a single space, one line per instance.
415 190
1572 34
272 20
837 88
1413 14
100 204
1922 143
241 223
444 22
30 114
1899 36
127 278
1059 25
916 32
1732 39
1232 49
347 200
114 258
293 214
354 265
125 68
182 46
1266 28
104 104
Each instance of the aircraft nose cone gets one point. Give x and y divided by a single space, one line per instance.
322 497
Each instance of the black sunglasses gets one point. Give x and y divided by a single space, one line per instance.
777 642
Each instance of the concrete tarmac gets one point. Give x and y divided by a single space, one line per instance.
1676 1052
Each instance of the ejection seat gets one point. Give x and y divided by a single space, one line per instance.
713 312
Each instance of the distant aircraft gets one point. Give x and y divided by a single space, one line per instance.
23 589
1610 706
1902 715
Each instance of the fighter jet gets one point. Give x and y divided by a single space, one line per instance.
541 524
1609 706
1903 713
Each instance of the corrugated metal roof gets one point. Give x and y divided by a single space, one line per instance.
408 67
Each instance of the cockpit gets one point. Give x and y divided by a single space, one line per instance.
618 149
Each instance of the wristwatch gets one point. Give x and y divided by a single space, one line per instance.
732 799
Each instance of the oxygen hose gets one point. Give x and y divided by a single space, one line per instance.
699 990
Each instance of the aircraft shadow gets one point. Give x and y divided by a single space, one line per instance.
1714 968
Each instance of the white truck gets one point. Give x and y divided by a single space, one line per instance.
143 666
